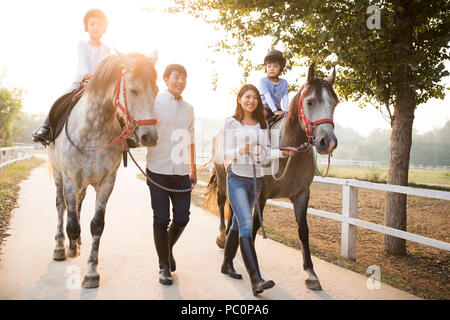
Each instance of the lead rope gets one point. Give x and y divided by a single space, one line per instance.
255 187
156 183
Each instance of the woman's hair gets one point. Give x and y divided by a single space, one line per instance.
174 67
95 13
257 114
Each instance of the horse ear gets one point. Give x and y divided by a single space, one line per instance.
120 54
154 56
311 72
332 76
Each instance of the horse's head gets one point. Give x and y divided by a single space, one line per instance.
140 93
313 111
129 82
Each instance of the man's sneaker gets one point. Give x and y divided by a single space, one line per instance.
42 135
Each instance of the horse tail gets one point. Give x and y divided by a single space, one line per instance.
210 195
51 172
210 201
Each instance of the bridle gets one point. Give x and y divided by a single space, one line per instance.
130 124
309 125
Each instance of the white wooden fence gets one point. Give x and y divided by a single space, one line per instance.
11 155
349 216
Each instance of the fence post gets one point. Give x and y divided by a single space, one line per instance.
349 209
16 155
7 157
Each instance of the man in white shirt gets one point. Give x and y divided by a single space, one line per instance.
171 163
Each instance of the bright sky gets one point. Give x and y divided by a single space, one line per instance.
39 54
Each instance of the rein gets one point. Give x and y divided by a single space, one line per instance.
130 123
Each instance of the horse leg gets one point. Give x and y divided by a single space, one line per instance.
73 226
221 199
59 253
300 207
256 224
81 196
92 278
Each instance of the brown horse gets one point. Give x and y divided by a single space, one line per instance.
318 100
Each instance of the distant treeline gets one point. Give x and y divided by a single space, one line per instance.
428 149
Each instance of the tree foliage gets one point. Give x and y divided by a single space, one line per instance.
10 106
372 63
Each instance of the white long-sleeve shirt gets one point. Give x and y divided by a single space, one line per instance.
175 127
89 57
235 136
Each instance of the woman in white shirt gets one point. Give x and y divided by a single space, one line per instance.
245 136
90 54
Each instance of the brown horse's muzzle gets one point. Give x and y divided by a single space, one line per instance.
325 141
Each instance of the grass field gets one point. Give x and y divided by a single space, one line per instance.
416 176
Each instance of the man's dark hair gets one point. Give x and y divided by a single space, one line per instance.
174 67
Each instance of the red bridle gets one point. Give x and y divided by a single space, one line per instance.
130 123
309 125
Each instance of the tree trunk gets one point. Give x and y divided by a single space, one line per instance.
401 139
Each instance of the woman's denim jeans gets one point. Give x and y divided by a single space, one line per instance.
241 194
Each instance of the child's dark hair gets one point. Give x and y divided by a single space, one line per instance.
174 67
95 13
258 113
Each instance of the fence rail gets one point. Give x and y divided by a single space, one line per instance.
349 216
10 155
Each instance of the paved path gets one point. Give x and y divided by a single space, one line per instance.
128 261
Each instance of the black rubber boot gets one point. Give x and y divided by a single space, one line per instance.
43 134
251 264
162 248
174 233
231 246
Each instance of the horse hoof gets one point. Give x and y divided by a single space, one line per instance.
313 285
59 254
90 282
73 252
220 242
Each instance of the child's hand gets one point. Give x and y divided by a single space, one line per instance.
86 77
289 152
279 112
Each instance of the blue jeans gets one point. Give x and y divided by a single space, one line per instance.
241 194
181 201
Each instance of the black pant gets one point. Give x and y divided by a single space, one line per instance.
181 201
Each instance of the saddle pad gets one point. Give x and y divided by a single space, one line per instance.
61 109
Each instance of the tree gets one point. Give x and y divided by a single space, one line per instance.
391 57
26 124
10 106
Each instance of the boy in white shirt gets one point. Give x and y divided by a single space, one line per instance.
90 54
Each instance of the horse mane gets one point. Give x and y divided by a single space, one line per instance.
108 71
292 123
